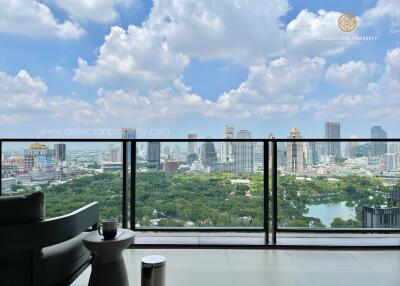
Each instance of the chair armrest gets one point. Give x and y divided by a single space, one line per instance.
68 226
24 237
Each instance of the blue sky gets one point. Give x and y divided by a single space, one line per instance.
193 66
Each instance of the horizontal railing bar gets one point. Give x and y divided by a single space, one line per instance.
200 229
63 140
199 140
335 140
337 230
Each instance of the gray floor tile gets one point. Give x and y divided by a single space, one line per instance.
209 267
248 258
346 276
383 256
196 256
279 276
199 274
305 258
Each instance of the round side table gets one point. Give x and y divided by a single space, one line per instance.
108 266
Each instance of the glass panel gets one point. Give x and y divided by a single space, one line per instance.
199 184
338 184
70 174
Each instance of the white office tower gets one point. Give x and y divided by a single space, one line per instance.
332 131
295 153
311 153
243 153
114 153
226 150
258 156
390 162
192 146
351 147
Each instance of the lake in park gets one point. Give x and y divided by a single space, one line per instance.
328 212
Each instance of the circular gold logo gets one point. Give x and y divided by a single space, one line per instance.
347 22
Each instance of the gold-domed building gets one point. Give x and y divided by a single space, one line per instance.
295 153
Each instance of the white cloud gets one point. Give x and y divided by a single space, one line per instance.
25 98
94 10
31 18
241 30
75 111
165 104
382 10
351 76
277 88
59 69
306 34
21 91
156 53
138 57
11 119
381 99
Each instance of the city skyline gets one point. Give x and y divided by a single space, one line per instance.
131 133
312 170
129 67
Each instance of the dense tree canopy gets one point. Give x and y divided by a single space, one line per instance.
212 200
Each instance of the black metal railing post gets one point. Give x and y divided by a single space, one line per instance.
133 185
124 184
266 189
274 190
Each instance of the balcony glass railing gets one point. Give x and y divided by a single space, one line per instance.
202 187
70 174
310 185
337 184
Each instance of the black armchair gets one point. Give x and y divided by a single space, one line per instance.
37 251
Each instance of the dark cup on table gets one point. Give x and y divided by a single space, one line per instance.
108 229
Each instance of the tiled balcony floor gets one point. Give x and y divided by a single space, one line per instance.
219 267
149 240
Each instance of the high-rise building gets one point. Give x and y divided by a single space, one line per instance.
394 148
281 154
390 162
395 194
153 155
208 154
60 153
258 153
378 148
332 131
28 161
350 148
243 153
192 145
226 154
381 217
310 153
114 154
191 157
38 156
128 133
270 152
295 153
